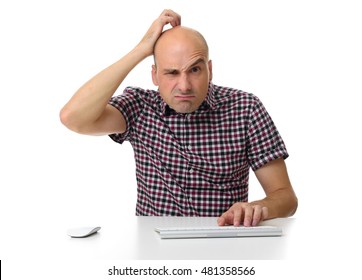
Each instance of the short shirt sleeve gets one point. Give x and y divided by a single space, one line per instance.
129 103
264 141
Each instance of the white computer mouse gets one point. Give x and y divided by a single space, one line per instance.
82 231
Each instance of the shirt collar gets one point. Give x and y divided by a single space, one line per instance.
208 103
210 98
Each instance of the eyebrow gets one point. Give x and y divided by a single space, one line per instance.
196 62
172 70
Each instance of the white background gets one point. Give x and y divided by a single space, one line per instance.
301 58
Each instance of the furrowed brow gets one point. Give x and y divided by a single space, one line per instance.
175 71
200 60
170 71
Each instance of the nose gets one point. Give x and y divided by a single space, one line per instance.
184 84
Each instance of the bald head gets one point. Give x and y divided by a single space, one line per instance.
182 69
178 38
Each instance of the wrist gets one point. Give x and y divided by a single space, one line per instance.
143 49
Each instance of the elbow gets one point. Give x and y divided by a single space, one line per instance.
293 205
64 116
68 120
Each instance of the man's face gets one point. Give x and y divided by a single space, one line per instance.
182 72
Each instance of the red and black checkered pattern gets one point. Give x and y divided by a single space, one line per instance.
196 164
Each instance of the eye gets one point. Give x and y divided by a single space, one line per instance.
172 72
195 69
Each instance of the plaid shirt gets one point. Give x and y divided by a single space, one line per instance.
196 164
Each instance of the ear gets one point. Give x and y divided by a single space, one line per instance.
154 75
209 63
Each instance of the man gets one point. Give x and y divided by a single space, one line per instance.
194 142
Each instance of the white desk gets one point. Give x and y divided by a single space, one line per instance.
142 242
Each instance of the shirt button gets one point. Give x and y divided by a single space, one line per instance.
189 147
191 170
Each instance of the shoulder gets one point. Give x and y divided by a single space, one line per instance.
228 96
140 92
135 95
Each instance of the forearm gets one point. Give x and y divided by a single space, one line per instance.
89 102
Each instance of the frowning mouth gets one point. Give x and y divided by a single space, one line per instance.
184 97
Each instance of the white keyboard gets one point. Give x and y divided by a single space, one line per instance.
217 231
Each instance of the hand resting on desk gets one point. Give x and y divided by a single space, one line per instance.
243 213
280 200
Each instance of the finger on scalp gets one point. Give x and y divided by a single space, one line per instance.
173 18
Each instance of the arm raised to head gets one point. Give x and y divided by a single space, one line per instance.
88 112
